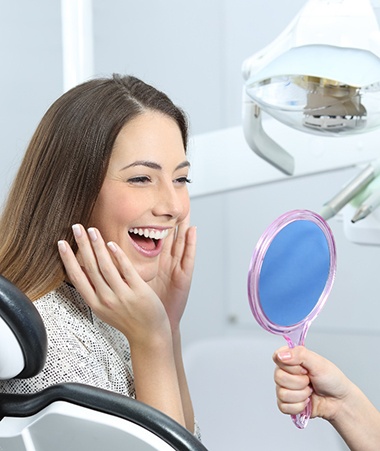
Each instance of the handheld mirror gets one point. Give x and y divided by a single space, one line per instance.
291 273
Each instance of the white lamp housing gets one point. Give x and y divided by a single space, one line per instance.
321 76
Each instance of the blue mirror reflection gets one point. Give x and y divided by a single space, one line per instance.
294 273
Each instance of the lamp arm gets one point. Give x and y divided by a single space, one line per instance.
260 142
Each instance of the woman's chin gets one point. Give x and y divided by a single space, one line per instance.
147 272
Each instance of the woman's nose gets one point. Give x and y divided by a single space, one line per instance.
169 201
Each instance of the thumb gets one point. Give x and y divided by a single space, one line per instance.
299 356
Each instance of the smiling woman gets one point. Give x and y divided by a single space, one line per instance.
105 176
144 189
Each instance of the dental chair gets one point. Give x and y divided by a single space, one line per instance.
69 416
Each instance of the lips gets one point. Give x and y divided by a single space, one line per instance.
148 241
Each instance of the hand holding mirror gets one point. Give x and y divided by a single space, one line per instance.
291 273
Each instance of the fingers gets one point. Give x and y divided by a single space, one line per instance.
175 242
188 254
293 388
126 269
301 359
93 271
180 247
292 406
184 243
294 395
92 261
74 270
291 375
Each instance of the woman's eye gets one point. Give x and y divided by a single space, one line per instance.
139 179
183 180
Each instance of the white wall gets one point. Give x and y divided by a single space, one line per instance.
194 50
30 75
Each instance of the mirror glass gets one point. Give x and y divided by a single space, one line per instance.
294 272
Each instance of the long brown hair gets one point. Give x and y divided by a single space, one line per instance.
62 172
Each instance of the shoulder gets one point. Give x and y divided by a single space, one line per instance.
69 320
63 302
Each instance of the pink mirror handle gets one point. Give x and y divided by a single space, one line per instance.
297 337
301 419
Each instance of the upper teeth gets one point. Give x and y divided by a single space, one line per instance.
154 234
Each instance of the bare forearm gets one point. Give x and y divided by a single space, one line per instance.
358 422
187 404
359 425
156 381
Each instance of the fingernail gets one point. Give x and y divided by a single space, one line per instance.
112 246
284 355
92 233
77 230
62 246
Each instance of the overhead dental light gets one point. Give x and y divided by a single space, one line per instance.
321 76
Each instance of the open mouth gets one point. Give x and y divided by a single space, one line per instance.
147 239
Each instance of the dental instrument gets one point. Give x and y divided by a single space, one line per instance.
349 191
367 207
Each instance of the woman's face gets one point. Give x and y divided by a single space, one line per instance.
144 195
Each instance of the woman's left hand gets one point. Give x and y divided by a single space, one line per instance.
172 283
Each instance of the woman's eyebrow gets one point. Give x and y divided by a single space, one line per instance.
184 164
153 165
146 163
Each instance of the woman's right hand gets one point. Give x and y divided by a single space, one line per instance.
115 292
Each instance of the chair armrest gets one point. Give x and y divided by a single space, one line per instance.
103 401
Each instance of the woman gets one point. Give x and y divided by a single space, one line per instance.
105 176
302 375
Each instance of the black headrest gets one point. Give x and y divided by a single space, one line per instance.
22 317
